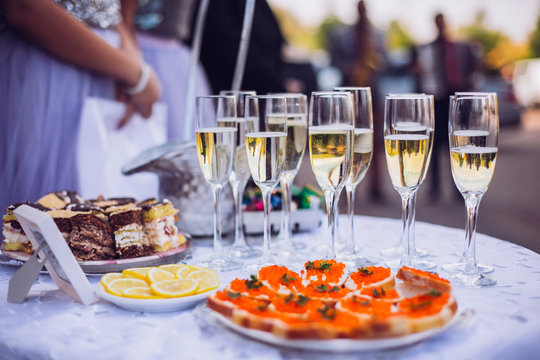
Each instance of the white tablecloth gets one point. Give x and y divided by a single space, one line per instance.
50 324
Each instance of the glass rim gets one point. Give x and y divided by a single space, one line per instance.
266 97
215 97
253 92
408 96
288 95
351 88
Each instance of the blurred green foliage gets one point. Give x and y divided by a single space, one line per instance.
534 40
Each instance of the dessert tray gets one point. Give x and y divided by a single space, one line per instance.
114 265
153 305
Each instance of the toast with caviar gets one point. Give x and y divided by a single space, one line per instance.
320 303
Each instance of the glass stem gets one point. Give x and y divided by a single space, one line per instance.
350 190
407 212
412 233
216 191
472 201
286 209
331 209
238 191
267 203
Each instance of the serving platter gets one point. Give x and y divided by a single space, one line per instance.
115 265
153 305
333 345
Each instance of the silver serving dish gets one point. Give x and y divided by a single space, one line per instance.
181 181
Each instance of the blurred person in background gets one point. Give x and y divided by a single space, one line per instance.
265 70
357 51
54 55
445 68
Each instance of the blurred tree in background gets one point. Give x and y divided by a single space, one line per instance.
534 40
398 37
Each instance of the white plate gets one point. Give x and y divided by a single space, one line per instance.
334 345
153 305
114 265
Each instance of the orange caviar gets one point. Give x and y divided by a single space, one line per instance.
361 305
329 271
279 276
369 275
294 303
424 305
428 274
378 292
334 317
321 290
259 290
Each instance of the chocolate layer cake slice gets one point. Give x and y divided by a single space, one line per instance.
128 230
90 238
62 219
159 223
60 199
14 237
107 203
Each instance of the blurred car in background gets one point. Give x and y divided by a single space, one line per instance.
526 81
510 108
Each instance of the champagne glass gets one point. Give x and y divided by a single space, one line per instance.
362 154
296 145
473 137
407 150
331 138
266 139
413 127
239 177
216 133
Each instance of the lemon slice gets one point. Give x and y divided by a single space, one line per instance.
196 267
139 273
140 293
207 279
155 274
117 287
107 278
172 268
183 271
175 287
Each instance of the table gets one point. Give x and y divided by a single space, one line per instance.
52 325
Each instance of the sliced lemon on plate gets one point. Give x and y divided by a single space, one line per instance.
117 286
140 293
183 272
139 273
107 278
196 267
155 274
175 287
207 279
172 268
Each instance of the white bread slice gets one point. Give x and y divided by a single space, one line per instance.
424 279
386 283
441 318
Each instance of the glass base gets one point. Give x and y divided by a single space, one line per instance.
357 260
473 280
415 263
221 264
459 267
244 252
394 252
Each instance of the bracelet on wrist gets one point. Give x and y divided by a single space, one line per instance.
143 81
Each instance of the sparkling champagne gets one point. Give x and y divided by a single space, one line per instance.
406 157
463 138
330 149
362 153
472 167
296 140
411 127
240 169
215 149
266 155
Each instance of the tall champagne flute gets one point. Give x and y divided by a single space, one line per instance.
362 154
239 177
215 150
407 154
331 140
473 138
296 145
412 127
266 140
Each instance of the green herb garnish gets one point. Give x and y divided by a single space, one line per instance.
325 266
321 288
233 295
376 293
301 300
434 293
420 305
262 307
327 312
289 298
365 271
254 283
287 279
310 265
334 289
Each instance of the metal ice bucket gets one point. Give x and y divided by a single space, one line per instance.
181 181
